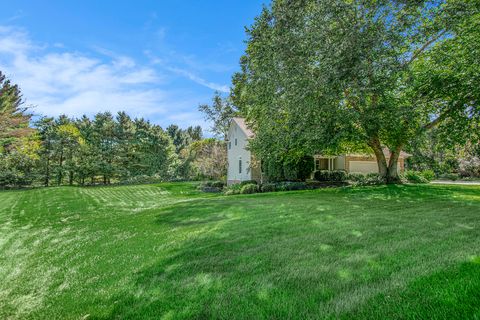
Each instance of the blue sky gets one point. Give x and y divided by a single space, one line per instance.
156 59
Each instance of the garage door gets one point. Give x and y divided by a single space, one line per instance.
363 166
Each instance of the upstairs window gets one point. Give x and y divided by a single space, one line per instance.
235 141
240 166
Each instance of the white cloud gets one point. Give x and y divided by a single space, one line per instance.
56 81
199 80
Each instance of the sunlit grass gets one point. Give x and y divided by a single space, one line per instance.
169 251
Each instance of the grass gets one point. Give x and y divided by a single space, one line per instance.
169 252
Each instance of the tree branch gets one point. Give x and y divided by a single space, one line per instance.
418 52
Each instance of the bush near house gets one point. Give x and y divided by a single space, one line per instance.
249 188
211 186
415 177
326 175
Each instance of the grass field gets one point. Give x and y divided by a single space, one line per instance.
169 252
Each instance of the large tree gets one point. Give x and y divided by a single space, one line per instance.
219 114
336 76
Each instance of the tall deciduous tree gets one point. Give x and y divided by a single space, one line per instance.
333 76
219 113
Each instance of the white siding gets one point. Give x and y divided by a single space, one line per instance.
238 152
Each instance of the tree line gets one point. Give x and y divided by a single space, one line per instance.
104 149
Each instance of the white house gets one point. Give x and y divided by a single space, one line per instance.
240 160
242 165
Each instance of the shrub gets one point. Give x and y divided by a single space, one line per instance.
211 186
356 177
370 179
322 175
233 189
449 176
290 186
269 187
335 175
415 177
429 175
249 189
248 182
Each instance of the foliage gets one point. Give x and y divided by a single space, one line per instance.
449 176
249 188
327 175
220 113
233 189
312 81
208 158
356 177
248 182
211 186
429 175
415 177
290 167
268 187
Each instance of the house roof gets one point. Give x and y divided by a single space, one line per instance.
241 123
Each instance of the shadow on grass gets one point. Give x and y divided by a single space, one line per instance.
453 293
237 267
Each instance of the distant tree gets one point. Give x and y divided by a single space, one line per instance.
219 113
14 119
209 158
19 144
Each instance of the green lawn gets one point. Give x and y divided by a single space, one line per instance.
168 252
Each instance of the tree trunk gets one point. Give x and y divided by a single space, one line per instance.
47 172
60 173
380 156
392 176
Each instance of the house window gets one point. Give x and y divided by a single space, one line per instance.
229 145
235 141
240 166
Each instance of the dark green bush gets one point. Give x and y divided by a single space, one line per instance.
428 174
211 186
449 176
415 177
233 189
322 175
269 187
326 175
248 182
249 189
356 177
294 185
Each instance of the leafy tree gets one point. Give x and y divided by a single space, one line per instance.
209 158
220 112
339 76
14 121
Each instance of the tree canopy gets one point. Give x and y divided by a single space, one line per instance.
338 76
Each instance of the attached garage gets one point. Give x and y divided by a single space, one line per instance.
363 166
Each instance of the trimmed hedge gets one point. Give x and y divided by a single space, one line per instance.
326 175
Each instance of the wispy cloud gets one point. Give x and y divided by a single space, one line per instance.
76 83
199 80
